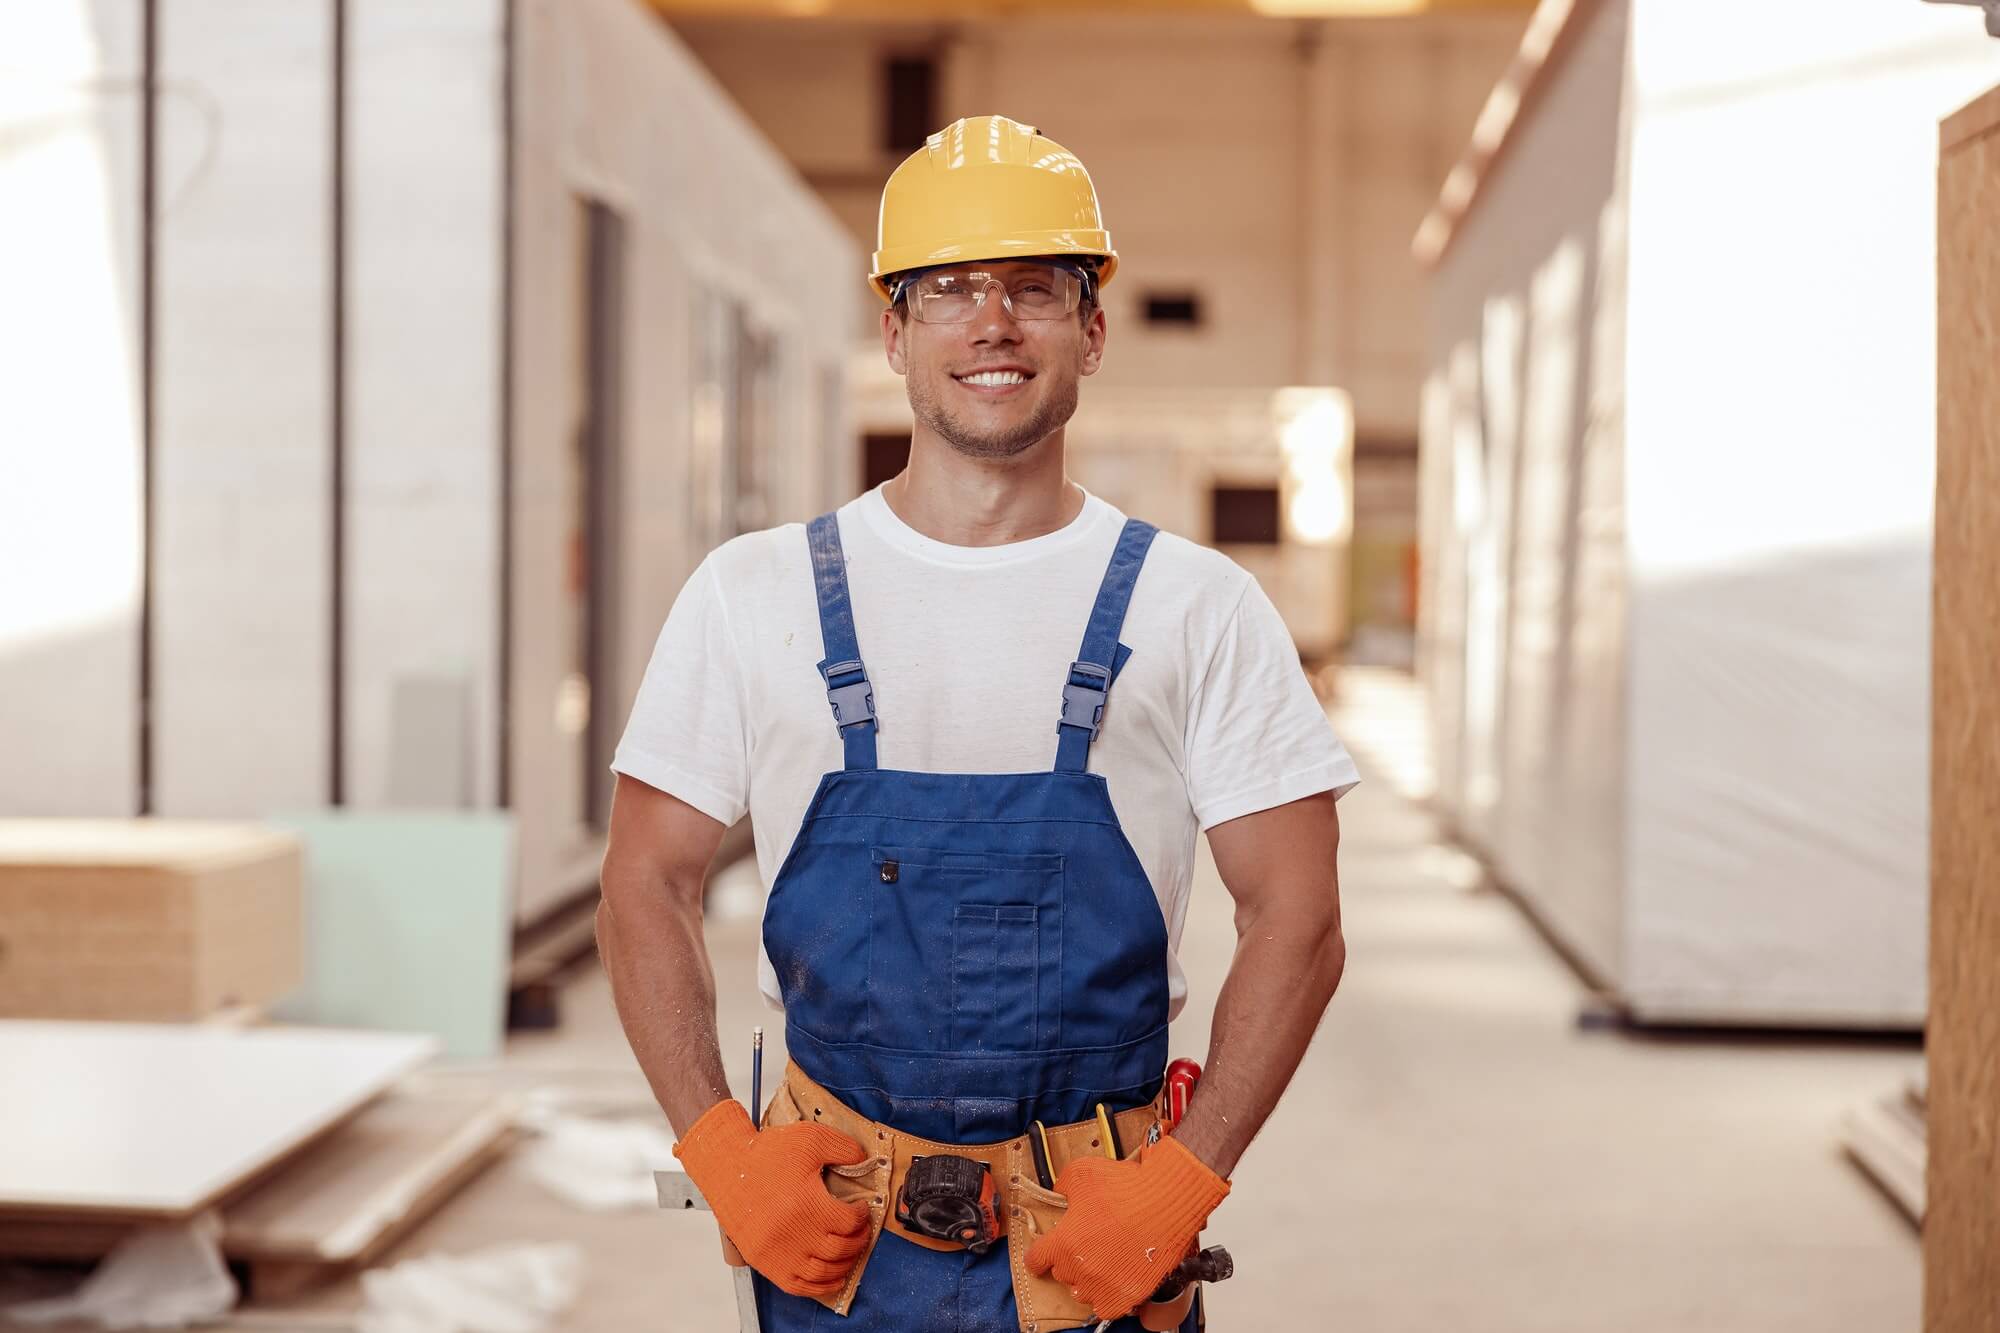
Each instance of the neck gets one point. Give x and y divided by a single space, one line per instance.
965 501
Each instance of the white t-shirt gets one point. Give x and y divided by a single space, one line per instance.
967 648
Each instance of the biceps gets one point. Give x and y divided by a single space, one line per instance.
657 843
1283 857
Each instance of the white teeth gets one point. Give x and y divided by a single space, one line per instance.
994 378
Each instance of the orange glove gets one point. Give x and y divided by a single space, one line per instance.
770 1199
1127 1225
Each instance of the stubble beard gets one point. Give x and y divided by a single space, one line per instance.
988 442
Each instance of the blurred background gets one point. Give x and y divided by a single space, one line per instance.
1604 391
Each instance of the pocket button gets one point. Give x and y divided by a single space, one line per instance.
890 871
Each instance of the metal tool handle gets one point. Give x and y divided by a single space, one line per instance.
675 1190
1213 1264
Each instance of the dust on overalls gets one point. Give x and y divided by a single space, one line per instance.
962 953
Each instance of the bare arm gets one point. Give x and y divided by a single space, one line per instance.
649 937
1278 864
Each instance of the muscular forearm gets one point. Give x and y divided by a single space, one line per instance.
1288 962
651 943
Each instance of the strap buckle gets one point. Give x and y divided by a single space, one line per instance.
853 701
1083 700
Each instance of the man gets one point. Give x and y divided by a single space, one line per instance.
979 865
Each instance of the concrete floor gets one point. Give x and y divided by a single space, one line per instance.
1455 1153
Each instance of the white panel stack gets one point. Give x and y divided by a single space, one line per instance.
162 1120
1678 548
1522 610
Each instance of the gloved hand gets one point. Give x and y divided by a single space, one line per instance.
1127 1225
770 1199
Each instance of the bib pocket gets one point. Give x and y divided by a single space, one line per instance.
976 938
994 978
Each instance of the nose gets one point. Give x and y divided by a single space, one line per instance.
993 323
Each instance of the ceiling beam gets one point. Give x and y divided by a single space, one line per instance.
1003 9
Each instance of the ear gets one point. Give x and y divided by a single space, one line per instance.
892 340
1093 340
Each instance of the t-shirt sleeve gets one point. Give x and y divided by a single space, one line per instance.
688 733
1257 735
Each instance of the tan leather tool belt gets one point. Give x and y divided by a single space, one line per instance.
1025 1208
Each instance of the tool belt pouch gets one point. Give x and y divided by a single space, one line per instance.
1024 1209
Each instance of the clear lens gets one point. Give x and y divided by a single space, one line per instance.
1029 291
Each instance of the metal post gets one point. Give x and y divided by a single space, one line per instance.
676 1191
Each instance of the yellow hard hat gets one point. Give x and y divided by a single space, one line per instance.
987 187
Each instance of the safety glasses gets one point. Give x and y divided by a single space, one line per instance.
1027 291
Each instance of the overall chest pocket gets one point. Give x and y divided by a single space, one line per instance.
965 949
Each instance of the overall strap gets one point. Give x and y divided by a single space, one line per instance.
847 687
1089 679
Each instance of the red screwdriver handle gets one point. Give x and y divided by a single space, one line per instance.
1182 1075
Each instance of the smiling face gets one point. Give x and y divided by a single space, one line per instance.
994 386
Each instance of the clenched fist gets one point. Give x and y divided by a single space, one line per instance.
771 1200
1128 1224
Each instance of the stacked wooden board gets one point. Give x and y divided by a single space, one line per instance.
146 918
297 1137
293 1135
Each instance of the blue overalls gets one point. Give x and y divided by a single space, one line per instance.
962 953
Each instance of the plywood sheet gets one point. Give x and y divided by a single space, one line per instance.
1962 1226
1976 119
150 919
336 1204
176 844
368 1181
153 1120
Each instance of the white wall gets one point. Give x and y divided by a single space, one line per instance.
70 442
1160 454
243 431
425 216
610 106
1277 168
242 540
721 234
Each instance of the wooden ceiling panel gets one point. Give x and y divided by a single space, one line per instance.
998 9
